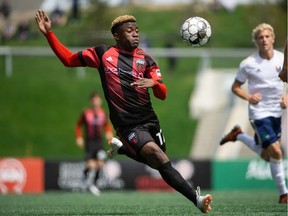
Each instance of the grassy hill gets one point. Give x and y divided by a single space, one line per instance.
229 29
40 103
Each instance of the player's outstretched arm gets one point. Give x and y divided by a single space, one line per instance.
68 58
43 22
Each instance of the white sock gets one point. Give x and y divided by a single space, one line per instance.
250 142
277 172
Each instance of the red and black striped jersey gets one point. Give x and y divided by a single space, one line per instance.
128 105
94 122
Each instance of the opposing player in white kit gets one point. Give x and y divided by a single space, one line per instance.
266 101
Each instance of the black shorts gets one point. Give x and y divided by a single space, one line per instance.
94 150
134 138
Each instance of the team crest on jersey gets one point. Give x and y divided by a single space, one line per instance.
278 69
140 64
132 137
158 72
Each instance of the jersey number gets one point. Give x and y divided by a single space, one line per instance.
161 137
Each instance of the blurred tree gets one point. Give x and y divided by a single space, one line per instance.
75 9
99 15
283 5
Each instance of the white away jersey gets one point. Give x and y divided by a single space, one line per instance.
262 77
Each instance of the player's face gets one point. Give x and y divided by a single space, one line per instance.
128 36
96 102
265 40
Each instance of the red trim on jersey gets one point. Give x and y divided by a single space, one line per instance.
68 58
91 58
159 89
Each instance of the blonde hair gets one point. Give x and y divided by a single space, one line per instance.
118 21
261 27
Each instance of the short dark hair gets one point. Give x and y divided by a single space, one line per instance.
118 21
94 94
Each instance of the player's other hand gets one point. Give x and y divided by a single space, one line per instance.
43 22
109 136
255 98
143 83
283 75
80 142
109 141
284 102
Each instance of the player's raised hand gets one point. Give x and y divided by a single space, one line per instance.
43 21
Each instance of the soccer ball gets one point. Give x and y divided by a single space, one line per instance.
195 31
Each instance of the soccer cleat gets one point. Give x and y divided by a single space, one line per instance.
232 135
115 144
203 202
94 190
283 199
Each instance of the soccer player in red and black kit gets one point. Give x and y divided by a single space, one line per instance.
95 122
126 73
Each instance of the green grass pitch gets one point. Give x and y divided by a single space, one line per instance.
230 203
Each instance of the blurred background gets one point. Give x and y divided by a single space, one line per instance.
40 99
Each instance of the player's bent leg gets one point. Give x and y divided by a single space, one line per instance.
265 155
275 151
157 159
237 134
118 148
154 155
173 178
249 141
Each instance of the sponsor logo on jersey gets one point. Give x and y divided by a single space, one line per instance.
111 70
109 59
118 71
278 68
158 72
132 137
140 64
